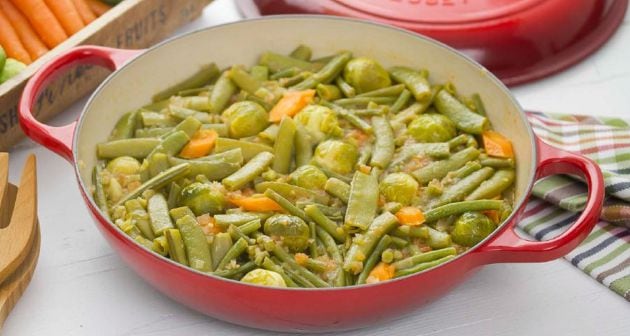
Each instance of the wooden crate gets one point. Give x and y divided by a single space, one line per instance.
132 24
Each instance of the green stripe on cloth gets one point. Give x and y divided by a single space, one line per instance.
603 255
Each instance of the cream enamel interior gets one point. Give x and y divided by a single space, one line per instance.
242 42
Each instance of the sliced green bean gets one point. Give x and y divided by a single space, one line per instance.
464 119
328 92
302 52
363 245
303 146
461 207
157 181
469 168
390 91
289 261
193 102
351 118
249 149
248 172
213 170
461 189
406 231
287 205
268 264
284 73
125 126
183 113
221 129
401 101
223 90
207 74
325 74
338 188
190 126
137 148
157 207
221 244
260 72
244 80
173 195
155 132
362 202
197 249
345 88
99 192
478 103
384 144
313 212
439 169
364 101
176 249
422 267
242 269
160 246
234 252
270 133
374 258
335 254
156 119
238 219
283 147
424 257
494 186
172 144
292 192
496 162
158 163
277 62
140 217
417 84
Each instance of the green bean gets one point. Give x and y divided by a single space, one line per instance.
221 94
138 148
194 102
125 126
236 233
371 112
181 212
270 133
351 118
158 163
290 81
424 257
234 156
365 155
335 254
171 144
284 73
464 119
496 162
204 76
334 213
363 101
478 103
384 144
160 246
287 205
439 169
249 227
289 261
362 202
157 207
299 279
176 249
328 92
461 189
401 101
238 219
302 52
457 141
268 264
338 188
221 129
197 249
155 132
494 186
400 242
157 106
303 146
99 192
406 231
140 217
390 91
417 84
313 212
325 74
283 147
242 269
422 267
173 195
276 62
374 258
234 252
410 113
260 72
221 244
249 149
363 245
315 265
461 207
292 192
438 150
248 172
183 113
195 91
244 80
345 88
312 242
469 168
130 229
330 174
213 170
157 181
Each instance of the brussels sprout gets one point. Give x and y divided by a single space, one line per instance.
264 277
124 165
366 74
309 177
337 156
471 228
203 198
432 127
291 230
320 122
245 119
399 187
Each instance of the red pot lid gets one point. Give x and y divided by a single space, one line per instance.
518 40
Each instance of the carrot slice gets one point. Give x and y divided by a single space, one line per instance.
43 20
84 10
497 145
301 258
256 203
290 104
381 272
411 216
98 8
200 145
10 41
32 43
67 15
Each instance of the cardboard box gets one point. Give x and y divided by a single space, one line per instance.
133 24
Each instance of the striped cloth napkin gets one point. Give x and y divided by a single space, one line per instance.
605 254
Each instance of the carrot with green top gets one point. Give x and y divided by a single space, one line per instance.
43 20
290 104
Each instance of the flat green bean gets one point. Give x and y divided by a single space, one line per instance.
204 76
249 171
464 119
249 149
157 207
195 242
223 90
390 91
494 186
283 147
234 252
417 84
424 257
313 212
401 101
338 188
157 181
439 169
176 249
461 207
138 148
384 144
125 126
374 258
362 202
292 192
463 187
363 245
303 146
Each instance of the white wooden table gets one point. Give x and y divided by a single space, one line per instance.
81 287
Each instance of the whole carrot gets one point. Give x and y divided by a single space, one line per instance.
99 8
11 42
67 15
32 43
84 10
43 20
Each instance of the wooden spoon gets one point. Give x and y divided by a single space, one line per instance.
20 240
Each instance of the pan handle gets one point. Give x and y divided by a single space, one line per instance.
507 246
59 138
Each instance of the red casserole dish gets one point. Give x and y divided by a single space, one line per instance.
140 73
